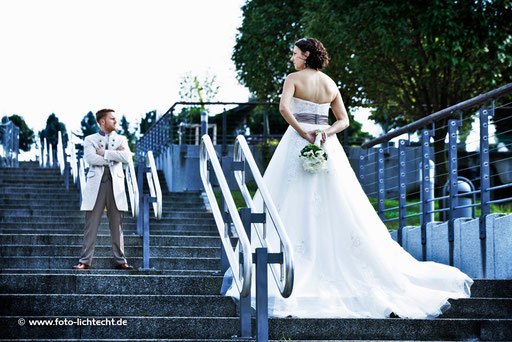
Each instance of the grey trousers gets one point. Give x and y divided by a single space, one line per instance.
93 220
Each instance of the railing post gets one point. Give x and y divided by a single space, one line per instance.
245 302
140 185
265 127
453 182
380 182
261 294
402 188
204 123
485 180
362 158
224 133
66 172
224 262
171 126
425 188
145 238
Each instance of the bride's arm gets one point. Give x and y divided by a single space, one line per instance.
342 121
284 109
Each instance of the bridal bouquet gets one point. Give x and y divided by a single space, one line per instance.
314 158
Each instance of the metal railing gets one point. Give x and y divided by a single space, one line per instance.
440 155
244 221
242 278
9 144
154 196
167 131
283 277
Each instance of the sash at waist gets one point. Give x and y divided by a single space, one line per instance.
312 118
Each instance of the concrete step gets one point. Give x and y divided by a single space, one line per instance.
63 213
130 225
118 305
43 197
284 328
66 220
117 282
106 250
188 305
104 239
64 262
47 190
480 308
178 230
36 181
202 273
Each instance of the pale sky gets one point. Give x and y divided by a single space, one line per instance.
70 57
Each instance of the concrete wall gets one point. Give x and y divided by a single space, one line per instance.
479 258
180 164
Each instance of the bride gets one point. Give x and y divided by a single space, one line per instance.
346 263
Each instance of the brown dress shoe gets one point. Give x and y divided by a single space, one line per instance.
81 266
124 266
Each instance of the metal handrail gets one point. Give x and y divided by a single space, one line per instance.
284 281
242 279
60 153
444 113
72 155
133 190
44 157
154 184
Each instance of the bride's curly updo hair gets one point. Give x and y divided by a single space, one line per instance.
318 58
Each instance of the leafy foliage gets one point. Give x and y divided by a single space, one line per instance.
51 132
263 44
130 136
147 122
27 137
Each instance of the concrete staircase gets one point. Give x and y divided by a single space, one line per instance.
41 236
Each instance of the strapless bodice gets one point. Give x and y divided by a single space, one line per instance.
300 106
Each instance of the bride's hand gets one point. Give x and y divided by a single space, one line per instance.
310 136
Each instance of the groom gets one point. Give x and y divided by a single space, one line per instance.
105 152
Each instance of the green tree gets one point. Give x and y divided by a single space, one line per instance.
264 42
416 58
406 59
262 52
89 125
147 122
27 137
51 132
130 136
192 89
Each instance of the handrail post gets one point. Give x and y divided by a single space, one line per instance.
245 302
362 159
145 238
224 262
453 183
485 180
402 188
380 184
140 185
66 172
261 294
224 133
425 188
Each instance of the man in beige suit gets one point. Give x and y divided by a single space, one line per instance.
105 152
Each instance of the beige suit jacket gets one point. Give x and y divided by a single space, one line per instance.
112 158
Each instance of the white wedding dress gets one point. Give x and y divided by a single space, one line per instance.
346 263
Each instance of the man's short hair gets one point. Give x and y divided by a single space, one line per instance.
102 113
